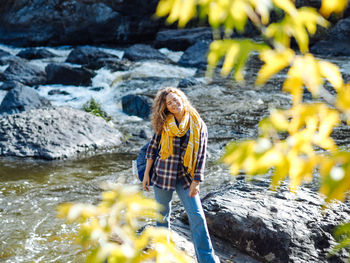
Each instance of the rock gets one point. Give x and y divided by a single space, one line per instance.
113 64
4 53
137 105
55 133
143 52
57 92
337 42
42 23
181 39
4 60
22 98
187 82
274 226
67 75
35 53
195 56
85 55
10 85
26 73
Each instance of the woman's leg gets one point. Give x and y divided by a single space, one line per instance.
200 234
163 197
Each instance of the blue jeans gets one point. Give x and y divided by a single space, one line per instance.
199 230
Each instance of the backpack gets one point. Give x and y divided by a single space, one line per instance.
139 165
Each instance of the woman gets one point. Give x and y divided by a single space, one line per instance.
181 137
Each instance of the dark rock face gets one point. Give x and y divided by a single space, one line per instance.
26 73
195 56
10 85
55 133
137 105
113 64
50 22
274 226
4 53
8 59
35 53
337 42
187 82
143 52
22 98
85 55
181 39
67 75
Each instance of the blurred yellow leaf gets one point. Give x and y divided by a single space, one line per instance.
286 5
274 62
164 7
331 72
330 6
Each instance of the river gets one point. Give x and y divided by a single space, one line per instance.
30 190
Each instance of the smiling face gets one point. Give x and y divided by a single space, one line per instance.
174 103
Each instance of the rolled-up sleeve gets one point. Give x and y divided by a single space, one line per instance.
153 146
202 154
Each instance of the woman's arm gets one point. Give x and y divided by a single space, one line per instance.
145 182
151 154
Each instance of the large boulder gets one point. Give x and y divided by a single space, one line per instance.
50 22
35 53
85 55
137 105
21 98
67 75
196 55
25 72
337 42
275 226
55 133
181 39
143 52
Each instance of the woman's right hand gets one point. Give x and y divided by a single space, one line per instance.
145 181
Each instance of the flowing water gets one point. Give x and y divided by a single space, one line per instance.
30 190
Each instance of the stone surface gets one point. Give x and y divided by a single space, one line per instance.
143 52
35 53
113 64
274 226
337 42
25 72
196 55
137 105
50 22
67 75
181 39
86 54
55 133
22 98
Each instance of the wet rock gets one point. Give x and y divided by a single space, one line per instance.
57 92
67 75
10 85
274 226
113 64
35 53
143 52
137 105
4 53
39 22
337 42
196 55
86 55
22 98
181 39
187 82
4 60
25 72
55 133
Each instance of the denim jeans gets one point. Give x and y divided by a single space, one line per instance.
199 230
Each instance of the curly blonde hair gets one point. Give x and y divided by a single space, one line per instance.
159 108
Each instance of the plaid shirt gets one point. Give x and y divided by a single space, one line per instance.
166 172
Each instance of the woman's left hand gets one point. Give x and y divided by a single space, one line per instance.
194 188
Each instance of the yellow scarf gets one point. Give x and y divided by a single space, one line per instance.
192 121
